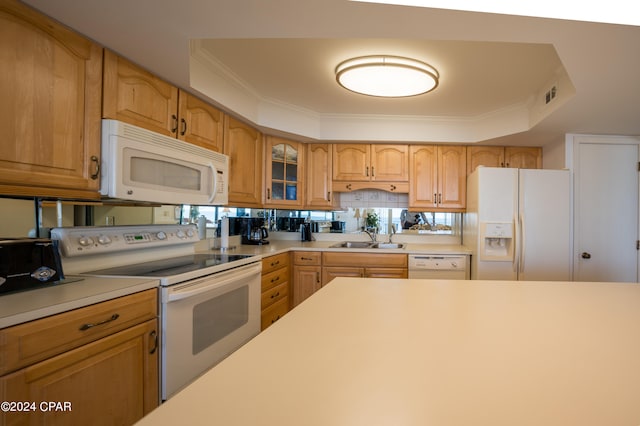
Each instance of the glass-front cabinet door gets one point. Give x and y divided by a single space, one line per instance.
284 186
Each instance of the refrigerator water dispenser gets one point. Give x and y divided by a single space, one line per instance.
496 241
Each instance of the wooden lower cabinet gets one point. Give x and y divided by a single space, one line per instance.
112 380
307 274
364 265
275 288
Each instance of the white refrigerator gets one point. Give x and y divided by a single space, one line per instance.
518 224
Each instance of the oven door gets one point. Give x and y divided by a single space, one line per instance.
205 320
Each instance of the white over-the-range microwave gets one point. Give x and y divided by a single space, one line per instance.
141 165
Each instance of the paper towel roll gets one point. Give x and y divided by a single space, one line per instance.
202 227
224 233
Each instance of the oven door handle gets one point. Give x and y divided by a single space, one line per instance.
195 289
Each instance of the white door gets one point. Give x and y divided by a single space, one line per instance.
606 212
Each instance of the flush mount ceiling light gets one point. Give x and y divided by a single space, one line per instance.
386 76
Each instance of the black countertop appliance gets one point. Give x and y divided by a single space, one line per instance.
29 263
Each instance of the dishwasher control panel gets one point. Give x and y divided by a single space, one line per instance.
437 262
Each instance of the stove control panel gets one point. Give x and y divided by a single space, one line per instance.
81 241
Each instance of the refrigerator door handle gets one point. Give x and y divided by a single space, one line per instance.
522 243
516 242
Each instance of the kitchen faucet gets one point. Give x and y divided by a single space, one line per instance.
372 234
392 232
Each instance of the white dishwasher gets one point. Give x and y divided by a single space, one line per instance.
444 267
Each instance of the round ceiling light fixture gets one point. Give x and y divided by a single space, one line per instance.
386 76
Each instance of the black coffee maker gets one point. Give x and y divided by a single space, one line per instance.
254 231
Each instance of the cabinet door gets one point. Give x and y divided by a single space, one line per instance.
113 380
284 173
50 113
135 96
319 173
243 145
523 157
200 123
331 272
306 281
351 162
390 163
386 272
423 174
452 177
488 156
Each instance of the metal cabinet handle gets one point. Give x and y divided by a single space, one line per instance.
273 296
91 325
153 336
349 186
275 279
184 126
95 160
586 255
329 196
268 193
174 123
366 173
440 198
275 319
393 188
277 262
372 172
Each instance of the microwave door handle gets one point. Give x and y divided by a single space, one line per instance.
214 189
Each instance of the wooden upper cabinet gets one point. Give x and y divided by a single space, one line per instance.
200 123
487 156
364 162
438 177
284 172
318 167
523 157
243 144
390 163
50 113
136 96
500 156
452 177
351 162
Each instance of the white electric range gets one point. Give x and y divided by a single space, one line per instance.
209 302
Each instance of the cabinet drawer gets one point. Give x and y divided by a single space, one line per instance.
307 258
34 341
275 278
386 273
272 263
274 312
384 260
273 295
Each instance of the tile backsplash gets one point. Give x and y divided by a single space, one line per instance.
365 198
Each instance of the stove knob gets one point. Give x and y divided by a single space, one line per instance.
85 241
454 264
180 234
104 239
161 235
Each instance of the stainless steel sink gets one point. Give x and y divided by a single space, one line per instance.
388 246
368 244
352 244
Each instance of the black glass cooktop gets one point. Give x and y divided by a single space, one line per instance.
170 267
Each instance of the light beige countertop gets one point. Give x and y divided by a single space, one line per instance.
432 352
280 246
29 305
